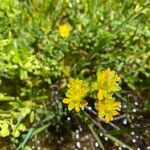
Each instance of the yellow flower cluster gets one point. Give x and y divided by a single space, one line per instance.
75 95
107 109
107 83
64 30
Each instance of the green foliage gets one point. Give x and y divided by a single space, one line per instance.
33 54
11 122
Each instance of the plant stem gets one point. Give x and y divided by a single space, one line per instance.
96 136
98 124
27 137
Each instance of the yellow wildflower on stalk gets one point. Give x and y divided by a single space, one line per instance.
64 29
107 83
108 108
76 94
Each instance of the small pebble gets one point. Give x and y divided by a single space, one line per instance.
68 118
125 121
77 136
136 103
124 106
148 147
132 133
39 148
134 110
87 137
77 131
133 140
101 134
90 108
106 138
96 144
78 144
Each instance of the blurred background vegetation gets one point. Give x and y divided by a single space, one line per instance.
36 62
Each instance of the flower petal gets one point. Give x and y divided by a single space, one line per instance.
100 94
84 102
66 100
77 108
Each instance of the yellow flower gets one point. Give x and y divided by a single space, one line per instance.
75 95
64 29
107 83
108 108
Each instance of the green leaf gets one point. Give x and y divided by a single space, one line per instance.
31 117
71 106
16 133
4 128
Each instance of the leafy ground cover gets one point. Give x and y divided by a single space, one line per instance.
44 44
